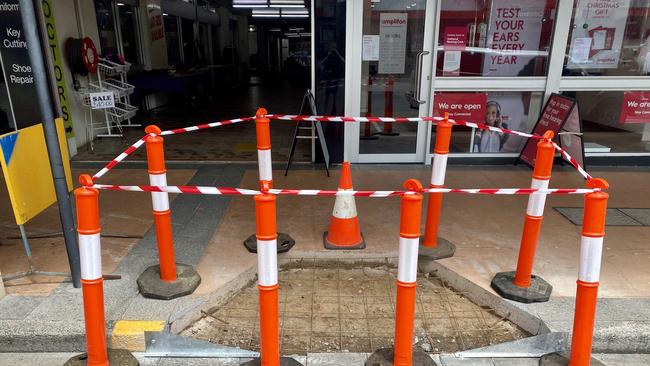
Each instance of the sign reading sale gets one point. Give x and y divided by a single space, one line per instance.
635 107
462 106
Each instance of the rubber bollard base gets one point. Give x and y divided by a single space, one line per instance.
285 243
328 245
116 357
539 290
371 137
284 361
384 357
389 133
443 249
151 286
562 359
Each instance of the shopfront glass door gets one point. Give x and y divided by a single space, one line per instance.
394 75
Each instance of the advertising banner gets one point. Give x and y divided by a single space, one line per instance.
554 115
392 44
26 167
597 37
635 107
16 66
515 26
57 61
455 41
462 106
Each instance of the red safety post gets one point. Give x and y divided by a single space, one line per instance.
265 166
267 281
367 128
433 247
522 285
403 353
388 107
591 250
162 281
92 282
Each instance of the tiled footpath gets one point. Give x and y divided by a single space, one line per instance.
55 323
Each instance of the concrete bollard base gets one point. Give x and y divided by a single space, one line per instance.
150 284
539 290
384 357
116 357
285 243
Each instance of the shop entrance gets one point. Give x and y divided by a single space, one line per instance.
219 60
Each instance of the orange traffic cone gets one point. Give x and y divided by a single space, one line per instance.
344 232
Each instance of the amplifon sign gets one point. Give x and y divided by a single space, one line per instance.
635 107
468 107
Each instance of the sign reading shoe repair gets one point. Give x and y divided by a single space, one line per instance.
16 68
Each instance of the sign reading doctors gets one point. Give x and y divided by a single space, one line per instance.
102 100
16 67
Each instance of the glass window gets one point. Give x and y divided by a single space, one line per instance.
609 38
495 38
129 32
171 36
106 28
614 121
512 110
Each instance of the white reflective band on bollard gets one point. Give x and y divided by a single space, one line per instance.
344 207
439 169
536 201
591 252
407 267
267 262
265 164
90 255
159 200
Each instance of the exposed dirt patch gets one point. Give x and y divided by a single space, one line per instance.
350 307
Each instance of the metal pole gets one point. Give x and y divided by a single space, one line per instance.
45 106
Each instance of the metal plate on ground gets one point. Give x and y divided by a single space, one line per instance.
163 344
615 216
535 346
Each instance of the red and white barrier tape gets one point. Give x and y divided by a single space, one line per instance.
322 192
206 126
121 157
572 161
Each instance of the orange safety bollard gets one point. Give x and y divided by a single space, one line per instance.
522 285
265 166
433 247
267 282
388 108
591 252
403 353
92 282
367 128
162 281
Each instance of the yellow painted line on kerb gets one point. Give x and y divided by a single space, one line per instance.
129 334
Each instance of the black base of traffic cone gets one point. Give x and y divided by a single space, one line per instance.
284 361
285 243
151 286
562 359
384 357
116 357
539 290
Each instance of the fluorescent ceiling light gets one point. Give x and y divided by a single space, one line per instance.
266 13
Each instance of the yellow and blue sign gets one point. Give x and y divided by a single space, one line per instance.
26 167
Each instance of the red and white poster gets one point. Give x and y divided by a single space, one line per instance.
468 107
455 41
515 26
635 107
553 116
598 31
